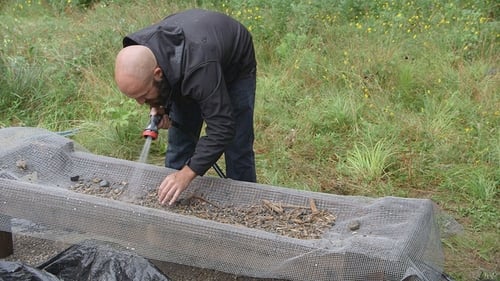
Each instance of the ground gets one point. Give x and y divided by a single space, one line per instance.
34 251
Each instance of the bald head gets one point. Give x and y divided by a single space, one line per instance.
134 67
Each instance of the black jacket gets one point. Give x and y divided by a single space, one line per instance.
200 52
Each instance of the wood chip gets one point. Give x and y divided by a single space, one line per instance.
314 209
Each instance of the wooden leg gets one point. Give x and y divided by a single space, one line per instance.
6 243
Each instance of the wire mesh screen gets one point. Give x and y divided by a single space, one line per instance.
45 180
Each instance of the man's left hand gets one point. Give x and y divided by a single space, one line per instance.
174 184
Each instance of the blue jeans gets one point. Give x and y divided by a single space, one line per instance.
239 155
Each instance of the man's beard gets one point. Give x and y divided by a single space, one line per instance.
164 94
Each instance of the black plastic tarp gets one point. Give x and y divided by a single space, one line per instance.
18 271
89 260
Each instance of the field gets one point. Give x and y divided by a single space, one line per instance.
373 98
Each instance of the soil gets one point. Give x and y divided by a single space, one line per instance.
301 222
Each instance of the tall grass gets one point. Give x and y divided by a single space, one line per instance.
370 98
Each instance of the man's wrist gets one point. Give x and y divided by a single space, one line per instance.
187 172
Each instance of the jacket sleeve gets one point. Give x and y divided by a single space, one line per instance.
205 84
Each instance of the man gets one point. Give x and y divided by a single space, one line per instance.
200 67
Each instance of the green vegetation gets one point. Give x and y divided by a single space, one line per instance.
374 98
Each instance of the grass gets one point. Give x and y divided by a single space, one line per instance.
369 162
373 98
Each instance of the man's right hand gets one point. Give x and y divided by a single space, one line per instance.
165 122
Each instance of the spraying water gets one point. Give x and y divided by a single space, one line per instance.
145 150
134 188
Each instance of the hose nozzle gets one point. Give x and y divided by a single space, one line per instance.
152 127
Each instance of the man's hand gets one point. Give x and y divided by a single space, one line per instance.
165 122
174 184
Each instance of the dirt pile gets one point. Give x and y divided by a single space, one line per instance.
301 222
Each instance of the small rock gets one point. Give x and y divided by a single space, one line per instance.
492 71
74 178
104 183
354 225
21 164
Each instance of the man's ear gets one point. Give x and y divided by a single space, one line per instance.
158 74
